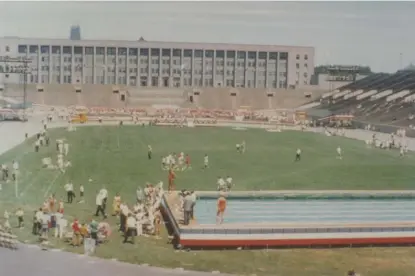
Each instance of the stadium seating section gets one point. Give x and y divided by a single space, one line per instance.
120 97
380 98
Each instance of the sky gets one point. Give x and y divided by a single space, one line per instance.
377 34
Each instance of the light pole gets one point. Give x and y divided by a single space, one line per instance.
20 68
20 65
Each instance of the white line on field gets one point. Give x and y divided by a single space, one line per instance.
31 183
52 183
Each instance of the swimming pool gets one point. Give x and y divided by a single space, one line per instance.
307 211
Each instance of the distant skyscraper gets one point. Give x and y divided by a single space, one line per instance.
75 33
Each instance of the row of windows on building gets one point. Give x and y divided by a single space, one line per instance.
156 52
144 70
229 63
154 81
165 72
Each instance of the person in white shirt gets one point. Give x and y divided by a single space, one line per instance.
131 228
104 194
172 158
298 155
99 203
229 182
37 145
61 225
123 216
163 163
15 170
193 197
339 153
60 163
81 193
66 148
6 223
206 161
139 223
69 192
221 183
37 223
401 151
42 140
20 219
149 152
60 146
181 161
45 219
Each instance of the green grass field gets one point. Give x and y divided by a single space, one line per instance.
117 158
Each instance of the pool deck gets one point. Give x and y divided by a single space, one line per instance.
236 226
356 193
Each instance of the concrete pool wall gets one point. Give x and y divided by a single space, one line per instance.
236 235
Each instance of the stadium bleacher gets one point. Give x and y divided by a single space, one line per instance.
225 98
379 98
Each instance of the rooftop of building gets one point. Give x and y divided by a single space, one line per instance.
146 43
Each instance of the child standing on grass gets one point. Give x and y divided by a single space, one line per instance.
20 220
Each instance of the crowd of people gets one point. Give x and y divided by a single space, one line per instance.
141 218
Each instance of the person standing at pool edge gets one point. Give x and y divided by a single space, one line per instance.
221 205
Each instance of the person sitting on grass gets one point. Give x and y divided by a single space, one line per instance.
104 231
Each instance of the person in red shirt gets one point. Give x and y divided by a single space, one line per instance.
188 165
76 228
172 176
221 205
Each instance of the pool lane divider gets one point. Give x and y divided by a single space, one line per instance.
294 235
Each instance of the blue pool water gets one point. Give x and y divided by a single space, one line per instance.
307 211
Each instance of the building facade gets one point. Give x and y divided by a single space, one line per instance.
331 77
158 64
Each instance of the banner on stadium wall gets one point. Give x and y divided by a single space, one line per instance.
190 123
239 118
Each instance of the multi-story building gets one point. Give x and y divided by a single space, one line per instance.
159 64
